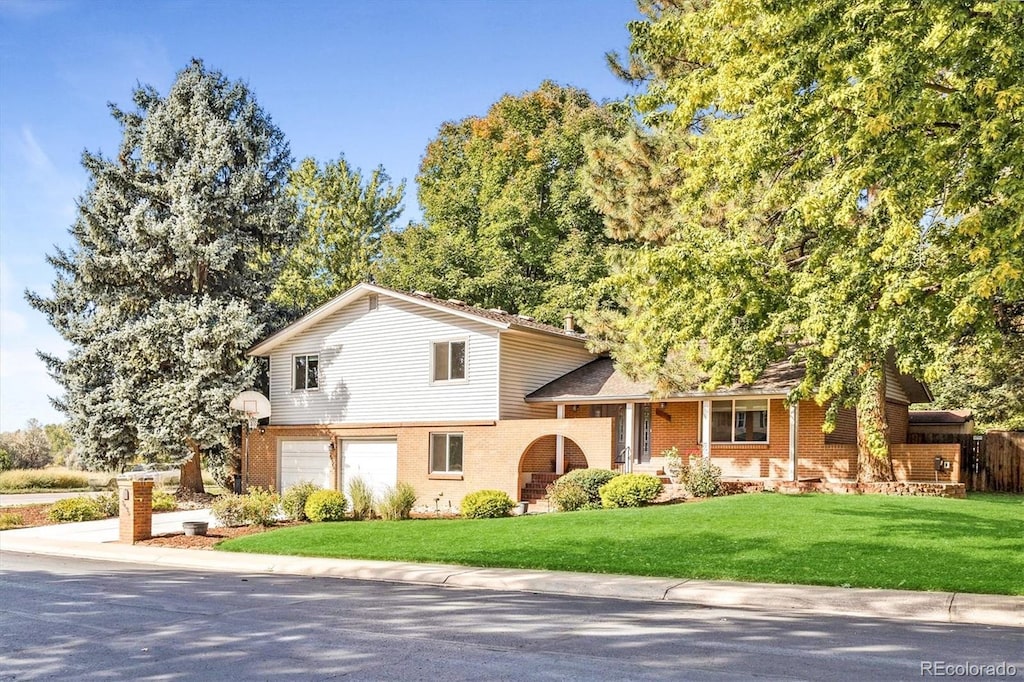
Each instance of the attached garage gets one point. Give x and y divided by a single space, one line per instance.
375 461
306 460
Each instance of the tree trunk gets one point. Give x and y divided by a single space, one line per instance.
192 471
874 457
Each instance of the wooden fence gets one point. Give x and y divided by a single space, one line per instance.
993 461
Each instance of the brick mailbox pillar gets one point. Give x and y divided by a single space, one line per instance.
136 510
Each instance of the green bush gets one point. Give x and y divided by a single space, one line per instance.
229 510
569 497
261 506
164 502
28 479
109 504
486 504
6 461
75 509
589 480
361 495
630 490
704 478
396 504
10 520
326 505
293 502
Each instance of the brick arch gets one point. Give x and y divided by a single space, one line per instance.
539 455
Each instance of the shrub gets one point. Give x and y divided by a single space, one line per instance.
109 504
27 479
361 495
486 504
294 500
6 461
704 478
164 502
569 497
260 507
229 509
326 505
397 502
11 520
75 509
630 490
675 467
589 480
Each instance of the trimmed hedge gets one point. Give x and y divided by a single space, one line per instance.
326 505
579 489
486 504
630 490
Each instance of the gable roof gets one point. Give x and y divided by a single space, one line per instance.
493 317
919 417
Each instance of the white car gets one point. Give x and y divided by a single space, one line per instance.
150 472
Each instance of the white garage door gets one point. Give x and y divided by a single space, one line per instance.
375 461
306 460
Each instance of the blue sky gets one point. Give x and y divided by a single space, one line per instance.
370 79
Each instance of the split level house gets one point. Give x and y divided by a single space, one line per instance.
393 386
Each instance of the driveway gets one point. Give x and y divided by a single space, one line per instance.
107 530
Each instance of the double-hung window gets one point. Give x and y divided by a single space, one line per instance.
449 360
306 373
739 421
446 453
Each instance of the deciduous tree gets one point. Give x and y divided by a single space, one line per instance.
343 217
846 182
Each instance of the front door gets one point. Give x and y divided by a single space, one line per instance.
643 433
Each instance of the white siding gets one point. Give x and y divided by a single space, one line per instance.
528 361
375 367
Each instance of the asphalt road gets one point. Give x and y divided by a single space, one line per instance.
76 619
18 499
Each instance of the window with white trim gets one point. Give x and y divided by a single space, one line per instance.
306 373
739 421
449 360
446 453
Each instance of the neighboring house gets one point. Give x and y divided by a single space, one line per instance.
941 421
394 386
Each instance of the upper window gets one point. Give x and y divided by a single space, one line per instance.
449 360
446 453
739 421
307 372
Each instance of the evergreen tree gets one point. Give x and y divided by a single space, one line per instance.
177 244
845 182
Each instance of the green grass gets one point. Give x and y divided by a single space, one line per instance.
973 545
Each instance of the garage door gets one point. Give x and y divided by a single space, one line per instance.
375 461
306 460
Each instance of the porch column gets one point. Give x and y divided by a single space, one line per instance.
794 415
630 436
560 443
705 429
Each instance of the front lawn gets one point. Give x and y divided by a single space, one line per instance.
973 545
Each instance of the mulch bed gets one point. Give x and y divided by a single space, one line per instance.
179 540
31 514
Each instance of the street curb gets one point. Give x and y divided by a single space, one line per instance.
935 607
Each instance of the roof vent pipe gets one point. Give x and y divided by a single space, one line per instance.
570 322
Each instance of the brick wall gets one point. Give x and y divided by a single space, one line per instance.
917 462
491 452
845 432
898 416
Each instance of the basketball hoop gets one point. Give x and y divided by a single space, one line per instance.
254 406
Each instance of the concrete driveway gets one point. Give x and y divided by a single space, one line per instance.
106 530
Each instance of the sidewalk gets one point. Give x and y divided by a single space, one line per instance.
97 540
